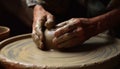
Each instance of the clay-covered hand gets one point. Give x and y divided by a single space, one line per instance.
42 19
73 32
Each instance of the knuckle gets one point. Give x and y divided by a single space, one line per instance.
51 16
73 18
35 37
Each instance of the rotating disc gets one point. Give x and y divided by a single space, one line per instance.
98 52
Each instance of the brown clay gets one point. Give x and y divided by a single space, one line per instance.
49 35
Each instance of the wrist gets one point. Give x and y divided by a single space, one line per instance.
101 22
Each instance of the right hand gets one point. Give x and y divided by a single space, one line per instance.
42 18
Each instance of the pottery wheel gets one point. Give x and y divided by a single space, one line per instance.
22 52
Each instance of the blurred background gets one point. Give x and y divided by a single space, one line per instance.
16 15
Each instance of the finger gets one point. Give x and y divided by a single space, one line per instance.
61 24
41 21
63 38
50 22
70 43
68 26
75 33
34 35
37 40
78 32
39 33
65 29
39 27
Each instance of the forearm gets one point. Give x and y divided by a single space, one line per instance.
107 20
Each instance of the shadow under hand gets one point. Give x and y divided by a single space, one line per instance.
91 44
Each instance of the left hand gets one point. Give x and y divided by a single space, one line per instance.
42 18
73 32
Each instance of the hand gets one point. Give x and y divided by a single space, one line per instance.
74 32
42 19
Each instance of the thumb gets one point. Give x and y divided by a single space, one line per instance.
50 22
